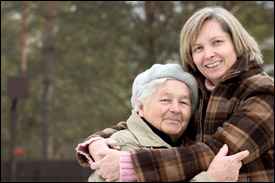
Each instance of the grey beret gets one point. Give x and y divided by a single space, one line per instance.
158 71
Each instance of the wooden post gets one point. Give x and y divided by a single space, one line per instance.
13 119
17 89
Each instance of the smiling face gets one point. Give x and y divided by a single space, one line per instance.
213 52
168 108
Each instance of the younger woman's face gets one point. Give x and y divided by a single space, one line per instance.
213 52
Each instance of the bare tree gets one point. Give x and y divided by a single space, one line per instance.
23 57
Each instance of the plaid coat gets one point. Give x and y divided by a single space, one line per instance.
239 112
134 138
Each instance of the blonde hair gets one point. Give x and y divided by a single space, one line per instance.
244 44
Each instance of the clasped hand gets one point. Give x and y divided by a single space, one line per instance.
107 160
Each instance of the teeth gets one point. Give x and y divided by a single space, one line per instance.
213 65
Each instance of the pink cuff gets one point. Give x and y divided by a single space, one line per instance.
82 148
127 171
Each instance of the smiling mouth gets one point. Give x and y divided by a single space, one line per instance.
213 64
169 119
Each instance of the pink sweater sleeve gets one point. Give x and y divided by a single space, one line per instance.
82 148
127 171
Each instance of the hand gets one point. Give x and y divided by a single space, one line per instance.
226 168
99 145
108 165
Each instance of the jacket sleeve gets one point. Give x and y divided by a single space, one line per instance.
106 133
202 177
171 165
82 154
251 127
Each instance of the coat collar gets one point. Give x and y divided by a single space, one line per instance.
144 133
241 66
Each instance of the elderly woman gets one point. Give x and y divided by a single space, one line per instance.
161 109
236 104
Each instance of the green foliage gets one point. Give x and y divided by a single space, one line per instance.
99 48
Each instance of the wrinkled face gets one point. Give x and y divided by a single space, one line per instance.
213 52
168 108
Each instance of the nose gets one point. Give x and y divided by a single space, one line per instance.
208 53
174 107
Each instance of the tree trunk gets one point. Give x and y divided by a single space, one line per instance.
23 56
48 81
150 39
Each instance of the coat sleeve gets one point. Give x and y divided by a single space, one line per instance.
82 154
171 165
202 177
106 133
251 127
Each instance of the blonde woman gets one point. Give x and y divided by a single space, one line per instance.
236 106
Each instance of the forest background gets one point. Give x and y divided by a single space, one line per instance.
81 58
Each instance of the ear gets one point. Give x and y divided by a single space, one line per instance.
140 108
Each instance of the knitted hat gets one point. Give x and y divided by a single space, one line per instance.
158 71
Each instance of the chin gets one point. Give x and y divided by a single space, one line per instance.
173 132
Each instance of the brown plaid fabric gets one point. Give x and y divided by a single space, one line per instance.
239 112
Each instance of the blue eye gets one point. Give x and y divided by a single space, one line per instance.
217 42
197 49
185 102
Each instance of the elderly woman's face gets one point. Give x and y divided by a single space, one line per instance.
213 52
168 108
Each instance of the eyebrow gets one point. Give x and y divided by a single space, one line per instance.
215 37
169 94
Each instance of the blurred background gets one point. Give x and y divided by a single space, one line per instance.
67 70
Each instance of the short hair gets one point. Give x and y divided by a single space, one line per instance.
245 45
147 90
150 88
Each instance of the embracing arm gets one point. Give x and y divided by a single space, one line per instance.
82 150
250 128
106 133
